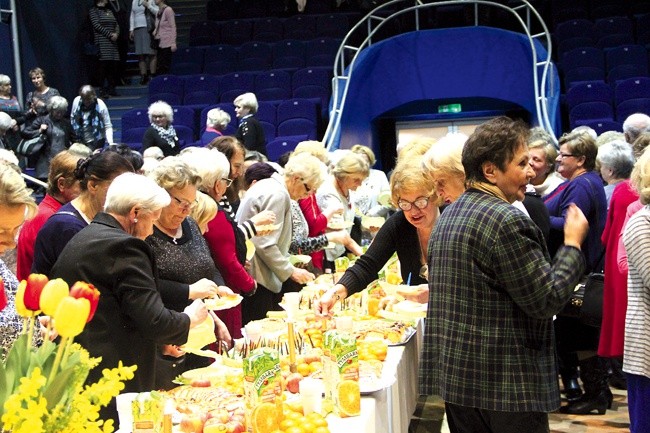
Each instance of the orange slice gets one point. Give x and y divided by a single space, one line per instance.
349 397
264 418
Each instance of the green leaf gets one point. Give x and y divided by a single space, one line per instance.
58 389
16 367
4 391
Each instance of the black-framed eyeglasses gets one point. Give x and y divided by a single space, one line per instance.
184 204
227 181
420 203
307 187
565 155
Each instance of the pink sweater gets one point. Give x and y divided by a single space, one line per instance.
166 28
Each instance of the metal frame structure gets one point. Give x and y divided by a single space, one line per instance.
374 21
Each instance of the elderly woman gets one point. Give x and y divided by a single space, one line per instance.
38 99
584 188
365 197
615 160
161 133
542 160
10 105
226 241
62 187
249 132
442 162
16 205
95 175
270 266
58 130
347 175
216 123
413 192
488 339
106 30
636 361
185 267
112 255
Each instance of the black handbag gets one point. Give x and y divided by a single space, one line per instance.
151 20
31 146
586 302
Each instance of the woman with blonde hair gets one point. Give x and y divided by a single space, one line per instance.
366 197
442 162
542 159
413 193
334 195
250 131
16 205
204 211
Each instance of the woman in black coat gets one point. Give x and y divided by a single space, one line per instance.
161 133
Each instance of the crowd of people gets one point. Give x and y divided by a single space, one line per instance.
493 231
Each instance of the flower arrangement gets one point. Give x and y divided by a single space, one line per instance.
43 389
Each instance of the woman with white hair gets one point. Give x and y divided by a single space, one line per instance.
226 241
10 105
249 132
215 124
111 254
161 133
183 259
58 130
270 266
347 175
616 161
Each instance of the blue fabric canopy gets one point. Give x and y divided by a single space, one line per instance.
445 64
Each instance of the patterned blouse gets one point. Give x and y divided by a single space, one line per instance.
301 243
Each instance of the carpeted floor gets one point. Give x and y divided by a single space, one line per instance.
429 418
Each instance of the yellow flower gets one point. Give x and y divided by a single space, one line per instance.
52 294
70 317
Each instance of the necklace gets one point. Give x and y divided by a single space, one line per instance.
176 236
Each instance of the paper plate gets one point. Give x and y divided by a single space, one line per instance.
223 302
200 336
250 249
339 225
268 227
299 259
374 223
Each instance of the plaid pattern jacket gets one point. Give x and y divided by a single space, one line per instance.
488 338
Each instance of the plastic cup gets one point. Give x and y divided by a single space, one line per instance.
341 264
291 300
125 411
253 331
311 395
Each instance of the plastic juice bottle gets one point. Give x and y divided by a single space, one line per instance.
262 390
345 375
327 368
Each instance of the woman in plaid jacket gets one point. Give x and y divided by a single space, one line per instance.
488 343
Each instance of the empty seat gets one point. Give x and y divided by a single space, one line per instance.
221 52
573 43
300 27
332 26
167 84
186 68
280 145
201 97
613 25
273 85
588 111
296 108
170 98
627 55
624 72
316 76
201 82
584 56
631 106
236 32
236 83
631 89
289 54
267 111
583 74
204 33
136 118
321 52
574 28
183 116
601 126
589 92
260 50
269 130
133 137
185 134
612 41
188 58
298 126
268 30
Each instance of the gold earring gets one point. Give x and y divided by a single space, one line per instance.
135 220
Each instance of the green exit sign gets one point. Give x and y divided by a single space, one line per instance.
450 108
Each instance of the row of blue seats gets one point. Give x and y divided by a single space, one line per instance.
255 56
563 11
270 29
603 27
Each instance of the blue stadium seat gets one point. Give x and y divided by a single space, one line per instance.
269 130
613 26
204 33
136 118
268 29
589 92
573 28
185 135
632 88
612 41
573 43
186 59
289 54
255 56
167 84
583 74
133 137
332 26
588 111
297 108
183 116
201 82
273 85
583 57
321 52
627 55
316 76
631 106
201 97
280 145
300 27
601 126
236 32
267 111
623 72
170 98
220 59
236 83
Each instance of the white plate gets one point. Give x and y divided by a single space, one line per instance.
222 303
250 249
339 225
299 259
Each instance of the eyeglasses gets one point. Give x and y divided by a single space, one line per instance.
307 187
184 204
565 155
420 203
227 181
158 116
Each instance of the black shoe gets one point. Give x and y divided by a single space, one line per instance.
586 405
572 390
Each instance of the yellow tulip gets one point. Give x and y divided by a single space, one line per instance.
70 317
52 294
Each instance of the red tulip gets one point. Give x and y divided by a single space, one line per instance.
84 290
3 295
35 284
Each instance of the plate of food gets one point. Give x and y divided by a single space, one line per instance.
250 249
223 302
372 224
339 224
268 227
299 260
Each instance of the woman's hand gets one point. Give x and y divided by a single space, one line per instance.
45 321
113 37
324 305
338 237
223 335
197 312
419 293
203 288
301 276
131 35
263 218
43 128
331 212
224 291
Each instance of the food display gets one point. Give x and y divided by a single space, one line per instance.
223 302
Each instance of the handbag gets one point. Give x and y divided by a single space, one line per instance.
91 49
151 20
586 302
155 43
31 146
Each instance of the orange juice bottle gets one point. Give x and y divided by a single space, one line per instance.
344 373
262 390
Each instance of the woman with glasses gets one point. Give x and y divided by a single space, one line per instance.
406 233
185 266
576 342
161 133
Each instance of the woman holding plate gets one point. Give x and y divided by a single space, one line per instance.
184 263
413 192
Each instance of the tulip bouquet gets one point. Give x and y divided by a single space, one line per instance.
42 389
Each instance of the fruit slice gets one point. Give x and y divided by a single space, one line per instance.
349 397
264 418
